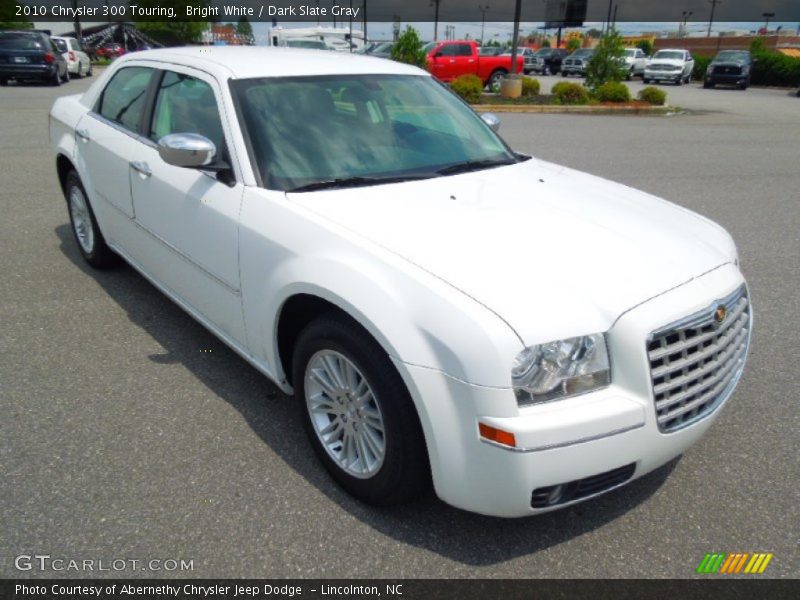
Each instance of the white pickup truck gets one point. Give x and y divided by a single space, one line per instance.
445 310
635 62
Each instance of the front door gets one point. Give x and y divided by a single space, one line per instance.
190 214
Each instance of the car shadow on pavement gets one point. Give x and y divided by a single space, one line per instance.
428 523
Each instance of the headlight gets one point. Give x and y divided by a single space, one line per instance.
561 369
745 70
709 70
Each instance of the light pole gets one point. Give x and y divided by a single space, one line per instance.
435 4
711 20
515 36
483 10
685 14
767 16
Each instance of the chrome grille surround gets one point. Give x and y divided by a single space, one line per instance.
696 362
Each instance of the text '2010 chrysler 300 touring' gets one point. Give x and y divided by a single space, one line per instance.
521 335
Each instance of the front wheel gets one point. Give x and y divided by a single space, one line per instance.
87 233
358 414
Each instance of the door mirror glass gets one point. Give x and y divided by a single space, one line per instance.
189 150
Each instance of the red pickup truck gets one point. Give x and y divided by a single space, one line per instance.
448 60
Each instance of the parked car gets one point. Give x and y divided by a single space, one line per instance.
673 65
575 63
78 62
635 62
110 51
527 57
547 60
730 67
383 50
332 244
448 60
31 56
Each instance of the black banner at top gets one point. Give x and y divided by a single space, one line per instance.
552 12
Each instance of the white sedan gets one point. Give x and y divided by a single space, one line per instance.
446 311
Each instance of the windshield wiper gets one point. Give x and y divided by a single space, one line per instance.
475 165
358 181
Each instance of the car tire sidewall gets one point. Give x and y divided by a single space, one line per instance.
405 470
101 256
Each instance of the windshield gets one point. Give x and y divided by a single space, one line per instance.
306 130
669 55
544 52
630 52
429 46
732 55
582 52
20 41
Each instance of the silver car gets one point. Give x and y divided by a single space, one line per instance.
78 62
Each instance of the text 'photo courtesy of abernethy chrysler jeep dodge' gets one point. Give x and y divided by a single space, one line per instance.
447 312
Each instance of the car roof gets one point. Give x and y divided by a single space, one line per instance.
244 62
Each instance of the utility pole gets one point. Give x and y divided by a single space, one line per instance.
517 15
483 10
365 22
77 22
435 3
685 15
767 16
711 20
608 19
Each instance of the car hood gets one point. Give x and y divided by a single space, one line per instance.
554 252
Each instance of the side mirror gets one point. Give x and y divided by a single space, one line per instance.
189 150
492 120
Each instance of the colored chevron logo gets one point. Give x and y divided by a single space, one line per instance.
731 564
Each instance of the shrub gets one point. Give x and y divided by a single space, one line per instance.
645 46
653 95
607 63
408 49
530 86
469 87
774 68
567 92
700 65
613 91
573 44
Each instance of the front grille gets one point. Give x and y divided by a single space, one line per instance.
695 363
721 70
555 495
662 68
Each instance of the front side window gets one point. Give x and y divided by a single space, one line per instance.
185 104
123 100
306 130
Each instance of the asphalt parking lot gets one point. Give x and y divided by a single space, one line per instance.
128 431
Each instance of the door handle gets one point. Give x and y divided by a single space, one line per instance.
142 167
83 134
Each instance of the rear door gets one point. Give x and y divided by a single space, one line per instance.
466 61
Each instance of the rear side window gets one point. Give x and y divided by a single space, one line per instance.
185 104
464 50
61 45
123 100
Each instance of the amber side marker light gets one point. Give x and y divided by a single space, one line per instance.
497 435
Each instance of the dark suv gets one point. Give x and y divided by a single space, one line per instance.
547 60
730 67
26 55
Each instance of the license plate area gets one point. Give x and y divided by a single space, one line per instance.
20 59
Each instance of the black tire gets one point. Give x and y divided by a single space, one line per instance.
405 472
708 84
66 75
679 81
3 81
645 80
89 72
99 255
743 86
496 76
55 79
630 75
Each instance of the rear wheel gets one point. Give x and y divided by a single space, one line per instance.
496 77
3 81
91 242
708 84
358 414
66 75
629 76
55 79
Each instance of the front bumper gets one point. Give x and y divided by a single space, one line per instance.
727 78
663 75
613 430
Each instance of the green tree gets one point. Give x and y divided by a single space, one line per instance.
573 44
8 16
645 46
243 27
607 62
758 45
408 48
176 32
594 33
545 43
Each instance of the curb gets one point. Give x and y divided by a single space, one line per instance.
552 108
